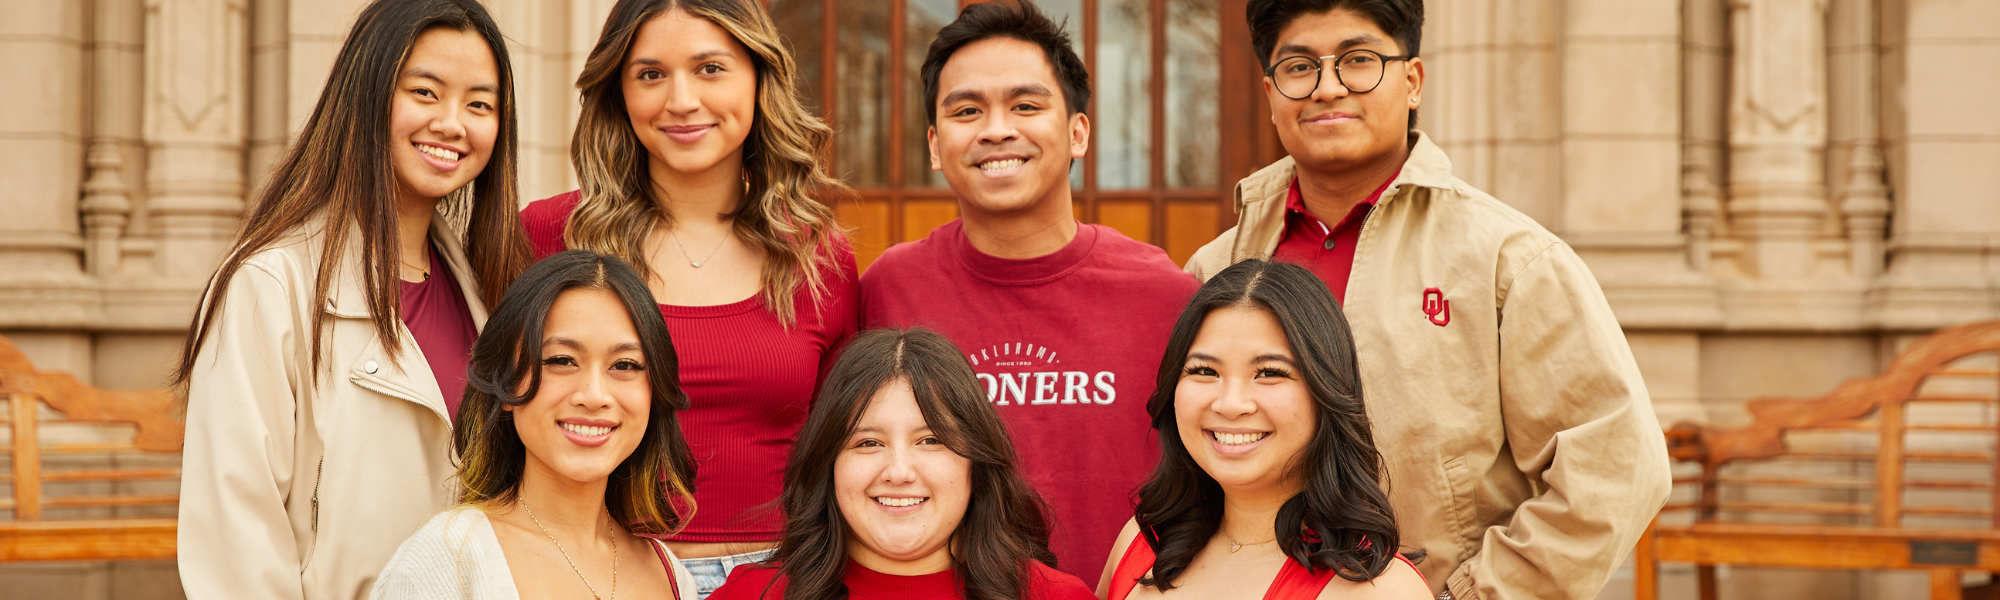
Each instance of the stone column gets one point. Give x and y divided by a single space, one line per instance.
41 159
195 108
1704 128
1855 146
117 152
1492 99
1777 134
1621 205
1941 137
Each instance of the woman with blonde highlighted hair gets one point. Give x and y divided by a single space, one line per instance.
568 449
698 165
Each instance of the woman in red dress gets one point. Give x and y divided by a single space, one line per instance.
1267 481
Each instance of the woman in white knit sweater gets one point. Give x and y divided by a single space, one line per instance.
568 449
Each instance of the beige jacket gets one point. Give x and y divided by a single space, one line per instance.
296 488
1523 453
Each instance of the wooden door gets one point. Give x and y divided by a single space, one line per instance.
1177 113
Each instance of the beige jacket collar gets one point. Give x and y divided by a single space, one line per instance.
1260 198
348 299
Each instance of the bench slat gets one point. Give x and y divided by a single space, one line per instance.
120 539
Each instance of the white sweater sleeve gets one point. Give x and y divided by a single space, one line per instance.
455 556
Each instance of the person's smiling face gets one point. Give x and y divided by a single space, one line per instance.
691 91
595 399
901 491
1242 406
445 113
1333 126
1004 136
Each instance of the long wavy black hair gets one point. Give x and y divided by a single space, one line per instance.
652 491
1005 524
1341 520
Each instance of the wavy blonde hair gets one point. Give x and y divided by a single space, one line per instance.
780 158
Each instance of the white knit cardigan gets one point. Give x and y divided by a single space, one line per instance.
455 556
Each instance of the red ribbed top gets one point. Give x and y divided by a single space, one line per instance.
749 384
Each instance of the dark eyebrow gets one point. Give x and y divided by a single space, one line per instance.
626 347
420 73
561 341
1345 45
714 53
1274 357
1366 38
1025 89
1200 356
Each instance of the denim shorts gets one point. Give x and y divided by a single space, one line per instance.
709 573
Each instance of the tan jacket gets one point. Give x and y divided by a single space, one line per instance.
293 488
1523 453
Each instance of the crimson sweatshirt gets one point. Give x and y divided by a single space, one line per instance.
1067 346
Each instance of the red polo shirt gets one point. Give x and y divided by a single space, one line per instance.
1326 251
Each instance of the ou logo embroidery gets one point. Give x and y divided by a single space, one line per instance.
1436 307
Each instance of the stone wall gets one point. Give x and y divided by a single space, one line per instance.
1775 194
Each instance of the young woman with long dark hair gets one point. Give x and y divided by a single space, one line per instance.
567 447
1268 484
329 350
698 163
903 486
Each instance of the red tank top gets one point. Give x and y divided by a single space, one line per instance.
1293 581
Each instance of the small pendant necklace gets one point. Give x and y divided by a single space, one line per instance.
426 270
690 257
572 563
1235 545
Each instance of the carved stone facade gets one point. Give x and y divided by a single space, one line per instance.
1775 194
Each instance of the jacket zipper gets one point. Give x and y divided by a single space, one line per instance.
318 473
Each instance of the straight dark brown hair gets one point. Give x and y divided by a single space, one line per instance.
1342 519
339 169
1005 524
651 492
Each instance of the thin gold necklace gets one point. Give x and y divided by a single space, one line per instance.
572 563
689 257
1233 544
426 271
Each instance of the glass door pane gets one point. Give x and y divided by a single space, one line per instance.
922 20
799 23
1124 73
861 139
1193 85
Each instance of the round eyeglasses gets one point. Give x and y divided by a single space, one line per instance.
1360 71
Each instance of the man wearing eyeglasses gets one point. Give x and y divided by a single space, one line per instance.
1523 454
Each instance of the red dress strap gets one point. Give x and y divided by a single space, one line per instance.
1137 561
1293 581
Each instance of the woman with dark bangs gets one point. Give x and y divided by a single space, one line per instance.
326 358
902 486
1267 485
568 450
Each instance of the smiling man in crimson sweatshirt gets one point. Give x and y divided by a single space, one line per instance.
1064 322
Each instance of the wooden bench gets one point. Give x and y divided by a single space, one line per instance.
97 515
1923 507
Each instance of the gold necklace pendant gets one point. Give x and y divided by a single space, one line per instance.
1235 545
572 563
